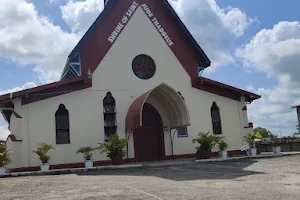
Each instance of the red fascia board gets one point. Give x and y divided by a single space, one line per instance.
16 114
234 89
40 88
13 138
250 125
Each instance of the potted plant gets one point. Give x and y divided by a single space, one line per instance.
87 154
276 148
250 139
114 148
42 152
222 145
4 158
207 143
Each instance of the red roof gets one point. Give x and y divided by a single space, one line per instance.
78 83
224 90
48 90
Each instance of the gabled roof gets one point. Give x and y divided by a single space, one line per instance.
224 90
70 71
45 91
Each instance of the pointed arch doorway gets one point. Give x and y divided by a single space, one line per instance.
149 140
143 120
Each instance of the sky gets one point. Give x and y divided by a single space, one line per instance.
253 45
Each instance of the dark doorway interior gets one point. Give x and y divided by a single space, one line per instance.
149 139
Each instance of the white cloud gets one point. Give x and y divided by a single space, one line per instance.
4 132
31 39
233 18
273 110
80 15
275 52
25 86
214 28
54 1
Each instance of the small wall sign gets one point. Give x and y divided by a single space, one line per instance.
182 132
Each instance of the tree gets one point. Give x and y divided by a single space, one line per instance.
265 133
296 134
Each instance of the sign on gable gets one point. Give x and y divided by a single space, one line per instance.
113 36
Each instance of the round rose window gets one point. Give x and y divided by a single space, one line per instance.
143 66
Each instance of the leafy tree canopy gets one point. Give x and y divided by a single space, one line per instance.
296 134
265 133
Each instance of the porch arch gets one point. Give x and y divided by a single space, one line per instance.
173 103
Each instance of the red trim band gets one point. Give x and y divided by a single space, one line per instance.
250 125
13 138
109 162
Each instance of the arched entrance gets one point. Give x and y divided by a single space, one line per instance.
145 122
149 140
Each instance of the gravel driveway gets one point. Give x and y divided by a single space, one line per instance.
276 178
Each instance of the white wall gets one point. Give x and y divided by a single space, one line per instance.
115 74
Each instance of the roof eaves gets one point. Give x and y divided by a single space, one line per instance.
40 88
244 92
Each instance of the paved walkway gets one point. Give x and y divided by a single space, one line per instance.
245 179
145 164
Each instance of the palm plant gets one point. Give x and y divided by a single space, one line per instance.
42 152
87 152
222 145
207 143
250 139
4 155
113 147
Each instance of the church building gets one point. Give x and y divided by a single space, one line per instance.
135 73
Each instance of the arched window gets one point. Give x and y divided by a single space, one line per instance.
216 119
62 125
109 110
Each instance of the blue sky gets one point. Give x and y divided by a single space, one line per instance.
249 43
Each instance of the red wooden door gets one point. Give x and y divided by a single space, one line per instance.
149 142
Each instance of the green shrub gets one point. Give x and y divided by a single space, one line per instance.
207 143
114 147
222 145
87 152
250 139
42 152
296 140
4 155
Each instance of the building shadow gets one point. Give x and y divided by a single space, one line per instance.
184 172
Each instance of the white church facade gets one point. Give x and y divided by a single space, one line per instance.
134 73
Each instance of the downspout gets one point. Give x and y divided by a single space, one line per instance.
127 145
172 143
241 122
28 136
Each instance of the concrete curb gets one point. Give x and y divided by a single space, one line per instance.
274 155
245 157
70 171
144 165
221 159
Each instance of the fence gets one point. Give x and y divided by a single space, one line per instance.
285 146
